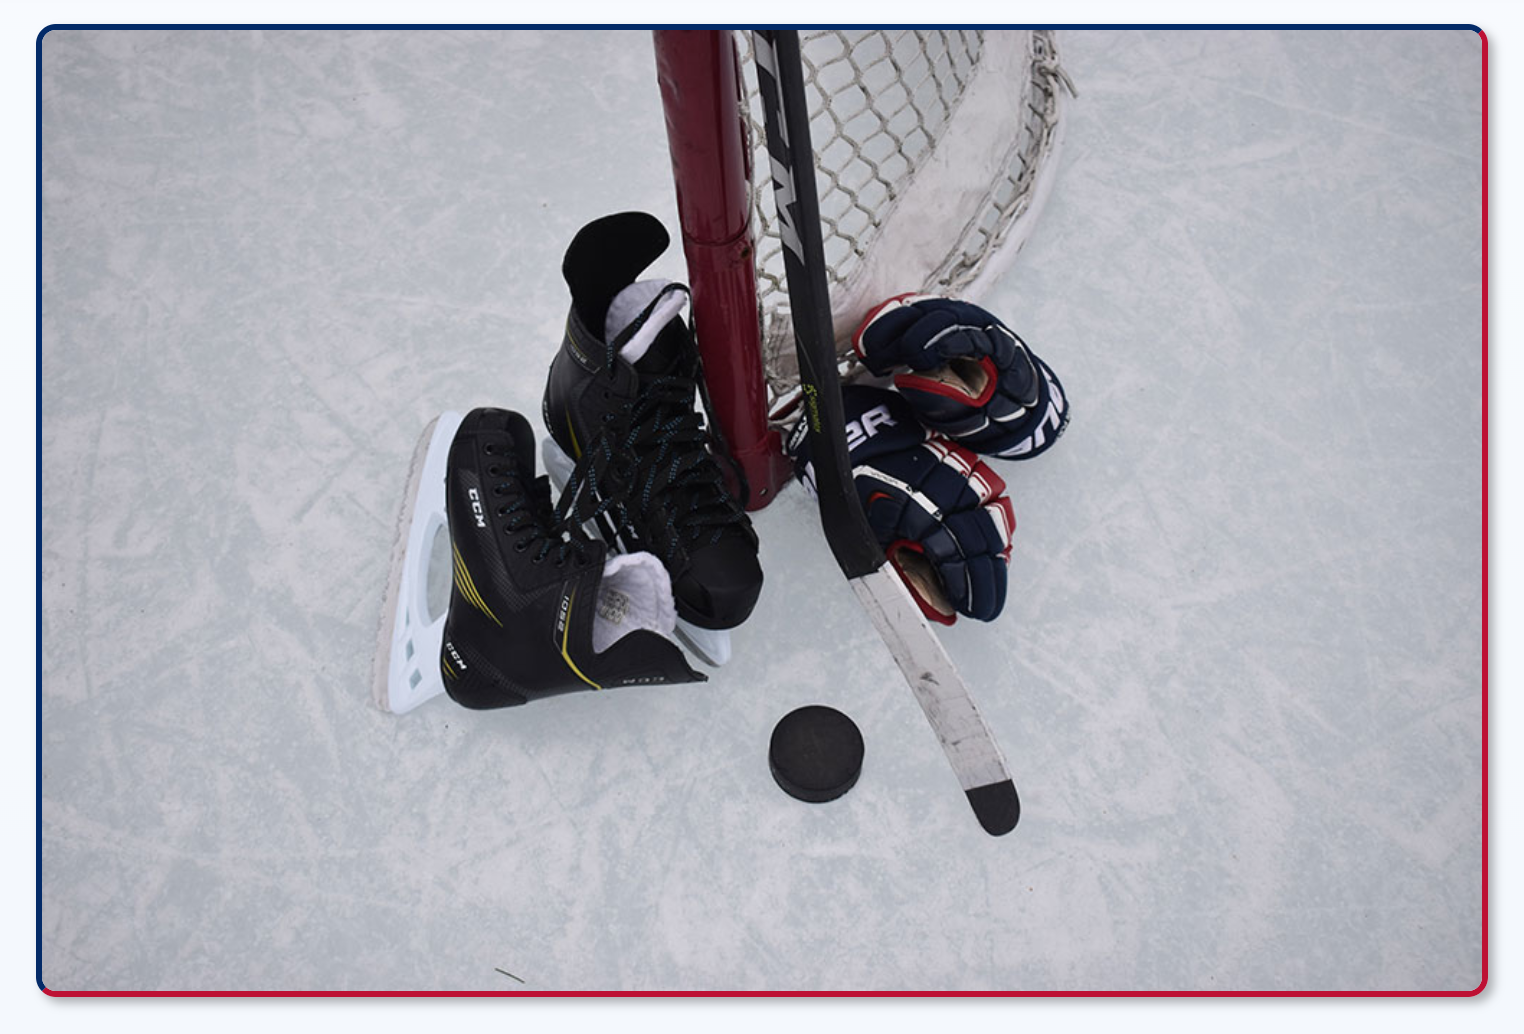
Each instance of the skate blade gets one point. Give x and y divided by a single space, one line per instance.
406 670
712 645
558 466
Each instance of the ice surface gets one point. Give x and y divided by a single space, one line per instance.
1238 679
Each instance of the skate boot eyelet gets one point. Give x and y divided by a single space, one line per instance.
518 547
494 471
502 511
488 449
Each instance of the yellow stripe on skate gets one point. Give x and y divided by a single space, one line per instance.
468 588
566 631
449 671
576 448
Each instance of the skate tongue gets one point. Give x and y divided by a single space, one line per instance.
640 313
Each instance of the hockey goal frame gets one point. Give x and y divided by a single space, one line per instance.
708 116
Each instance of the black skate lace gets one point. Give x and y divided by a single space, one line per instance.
532 519
655 451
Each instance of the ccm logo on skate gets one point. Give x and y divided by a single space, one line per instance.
455 655
476 508
867 425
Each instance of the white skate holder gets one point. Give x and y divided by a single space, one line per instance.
410 636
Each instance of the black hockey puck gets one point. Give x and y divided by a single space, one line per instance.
816 753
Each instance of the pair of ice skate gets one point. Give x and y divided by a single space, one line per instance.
644 543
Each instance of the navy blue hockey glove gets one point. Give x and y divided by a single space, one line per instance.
969 376
938 511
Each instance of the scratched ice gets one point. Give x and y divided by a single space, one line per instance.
1238 679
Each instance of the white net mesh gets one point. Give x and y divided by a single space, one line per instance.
933 150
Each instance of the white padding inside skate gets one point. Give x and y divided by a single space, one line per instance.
626 308
636 593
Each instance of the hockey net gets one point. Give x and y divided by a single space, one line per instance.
934 152
934 149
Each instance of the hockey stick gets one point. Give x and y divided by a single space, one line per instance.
938 687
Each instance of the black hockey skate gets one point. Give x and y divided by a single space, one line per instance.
534 613
620 403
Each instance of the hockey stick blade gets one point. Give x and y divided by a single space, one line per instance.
944 697
935 681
